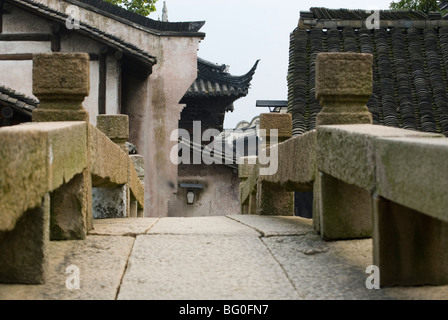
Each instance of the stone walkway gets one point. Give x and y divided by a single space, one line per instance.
210 258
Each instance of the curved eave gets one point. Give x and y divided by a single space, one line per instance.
220 84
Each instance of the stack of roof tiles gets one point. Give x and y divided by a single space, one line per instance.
17 101
410 69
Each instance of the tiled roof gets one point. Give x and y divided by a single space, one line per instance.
121 13
213 80
410 72
115 42
358 14
18 101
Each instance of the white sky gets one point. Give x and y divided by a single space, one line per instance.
239 32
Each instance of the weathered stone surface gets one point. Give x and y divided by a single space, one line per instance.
296 163
347 152
245 166
410 248
60 74
68 211
110 202
201 225
203 266
413 172
282 122
35 159
101 261
24 249
272 200
270 226
61 81
343 87
109 164
345 210
119 227
136 186
139 165
115 127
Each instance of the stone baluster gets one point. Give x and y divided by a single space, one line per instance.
270 198
61 81
343 87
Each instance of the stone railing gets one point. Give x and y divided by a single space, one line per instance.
368 180
52 170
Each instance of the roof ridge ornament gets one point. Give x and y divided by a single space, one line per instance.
164 12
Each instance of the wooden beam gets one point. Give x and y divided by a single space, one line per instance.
16 56
102 80
55 28
25 37
1 16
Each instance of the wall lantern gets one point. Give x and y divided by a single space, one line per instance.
191 195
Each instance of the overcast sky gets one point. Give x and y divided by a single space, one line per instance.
239 32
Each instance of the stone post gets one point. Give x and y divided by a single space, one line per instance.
114 202
245 168
271 199
139 165
343 87
61 81
115 127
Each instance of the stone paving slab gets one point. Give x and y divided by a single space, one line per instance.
201 225
119 227
276 225
204 267
101 262
336 270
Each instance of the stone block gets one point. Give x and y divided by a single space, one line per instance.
347 152
273 200
69 210
61 81
245 166
343 87
296 163
413 172
116 128
139 165
110 202
108 163
282 122
345 210
36 159
410 248
23 251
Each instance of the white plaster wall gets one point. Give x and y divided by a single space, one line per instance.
112 85
17 75
91 102
11 47
219 196
20 21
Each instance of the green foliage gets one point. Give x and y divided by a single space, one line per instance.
143 7
422 5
